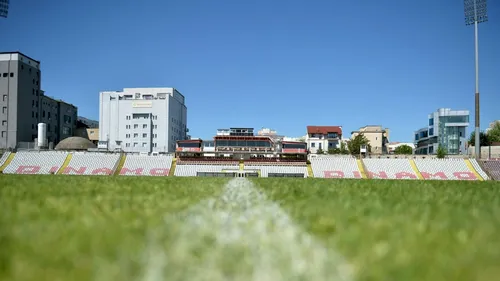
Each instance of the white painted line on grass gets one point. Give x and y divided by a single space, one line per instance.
243 236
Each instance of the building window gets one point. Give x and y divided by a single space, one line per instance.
48 115
136 135
32 114
144 135
127 144
5 74
127 136
43 113
4 97
135 144
136 126
431 131
431 121
4 123
127 126
137 95
4 134
144 126
12 74
313 144
144 144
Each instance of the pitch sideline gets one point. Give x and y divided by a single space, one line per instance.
243 236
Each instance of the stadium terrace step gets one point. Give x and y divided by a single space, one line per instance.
65 164
310 172
415 169
472 169
121 162
361 168
7 157
171 173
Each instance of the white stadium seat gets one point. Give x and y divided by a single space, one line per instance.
137 165
389 168
36 162
191 170
335 167
85 163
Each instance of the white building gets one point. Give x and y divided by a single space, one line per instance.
323 137
142 119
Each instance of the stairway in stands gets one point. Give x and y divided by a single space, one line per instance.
65 164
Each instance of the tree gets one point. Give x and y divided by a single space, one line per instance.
343 148
441 152
320 151
334 151
403 149
484 139
354 145
494 133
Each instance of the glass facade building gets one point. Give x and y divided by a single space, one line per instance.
446 128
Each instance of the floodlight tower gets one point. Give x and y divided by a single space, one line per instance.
4 8
475 13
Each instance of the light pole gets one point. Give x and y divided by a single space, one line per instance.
4 8
475 13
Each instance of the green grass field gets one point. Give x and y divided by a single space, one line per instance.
134 228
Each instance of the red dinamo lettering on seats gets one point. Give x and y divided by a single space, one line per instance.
380 175
159 172
427 175
80 171
334 174
405 175
102 171
465 175
53 170
28 169
125 171
356 174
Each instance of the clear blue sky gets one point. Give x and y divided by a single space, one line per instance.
266 63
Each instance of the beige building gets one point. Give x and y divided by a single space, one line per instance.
377 136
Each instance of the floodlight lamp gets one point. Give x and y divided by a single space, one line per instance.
475 11
4 8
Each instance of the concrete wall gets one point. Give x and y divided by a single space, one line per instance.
486 152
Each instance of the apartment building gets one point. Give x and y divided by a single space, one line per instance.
377 136
323 138
447 128
142 120
23 104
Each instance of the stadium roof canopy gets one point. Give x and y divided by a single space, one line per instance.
75 143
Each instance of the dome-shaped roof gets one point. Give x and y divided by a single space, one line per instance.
75 143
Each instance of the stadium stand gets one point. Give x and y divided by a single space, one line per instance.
445 169
5 155
191 170
335 167
85 163
265 170
36 162
389 169
493 167
478 168
142 165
